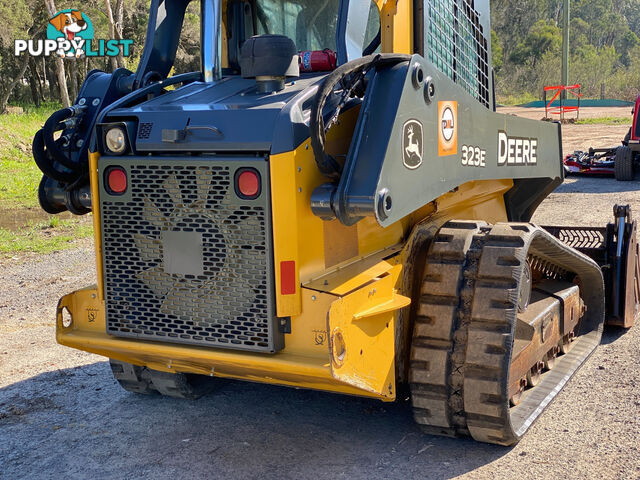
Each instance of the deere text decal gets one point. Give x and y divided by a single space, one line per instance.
517 150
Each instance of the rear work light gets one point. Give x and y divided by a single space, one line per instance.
248 185
116 181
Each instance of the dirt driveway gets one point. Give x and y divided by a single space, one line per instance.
62 415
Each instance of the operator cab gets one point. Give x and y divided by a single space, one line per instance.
311 25
340 28
307 26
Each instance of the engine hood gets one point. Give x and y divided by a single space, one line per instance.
228 115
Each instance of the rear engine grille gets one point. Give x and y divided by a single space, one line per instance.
185 259
458 46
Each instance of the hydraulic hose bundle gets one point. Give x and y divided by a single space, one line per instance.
351 77
60 187
48 153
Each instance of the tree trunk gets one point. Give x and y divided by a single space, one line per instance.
53 83
556 14
119 27
112 31
62 80
5 98
35 82
43 81
85 69
73 80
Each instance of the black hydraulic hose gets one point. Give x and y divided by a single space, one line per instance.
51 125
327 164
46 164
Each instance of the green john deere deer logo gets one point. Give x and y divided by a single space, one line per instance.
70 34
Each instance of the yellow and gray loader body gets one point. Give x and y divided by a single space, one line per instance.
357 229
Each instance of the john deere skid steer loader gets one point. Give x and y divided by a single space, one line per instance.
333 203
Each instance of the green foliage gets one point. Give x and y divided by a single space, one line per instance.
542 38
604 46
498 53
625 83
625 43
605 121
526 39
19 176
44 237
591 67
512 100
18 183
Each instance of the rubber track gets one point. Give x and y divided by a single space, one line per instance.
436 383
463 335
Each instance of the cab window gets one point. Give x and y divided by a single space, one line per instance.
311 24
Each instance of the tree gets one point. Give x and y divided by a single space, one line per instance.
542 38
62 78
497 52
115 28
624 44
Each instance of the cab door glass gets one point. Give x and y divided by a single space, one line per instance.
311 24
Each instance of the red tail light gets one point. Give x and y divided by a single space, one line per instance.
116 180
248 183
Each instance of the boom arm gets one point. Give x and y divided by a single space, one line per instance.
163 34
419 135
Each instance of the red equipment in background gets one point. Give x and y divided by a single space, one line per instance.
549 109
634 133
620 161
597 161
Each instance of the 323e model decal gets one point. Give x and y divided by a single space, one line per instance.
474 156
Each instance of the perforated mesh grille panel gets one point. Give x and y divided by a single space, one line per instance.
144 130
185 259
457 45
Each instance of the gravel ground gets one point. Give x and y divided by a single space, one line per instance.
62 414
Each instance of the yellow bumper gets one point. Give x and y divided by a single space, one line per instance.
362 364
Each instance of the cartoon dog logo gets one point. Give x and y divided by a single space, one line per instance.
69 24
